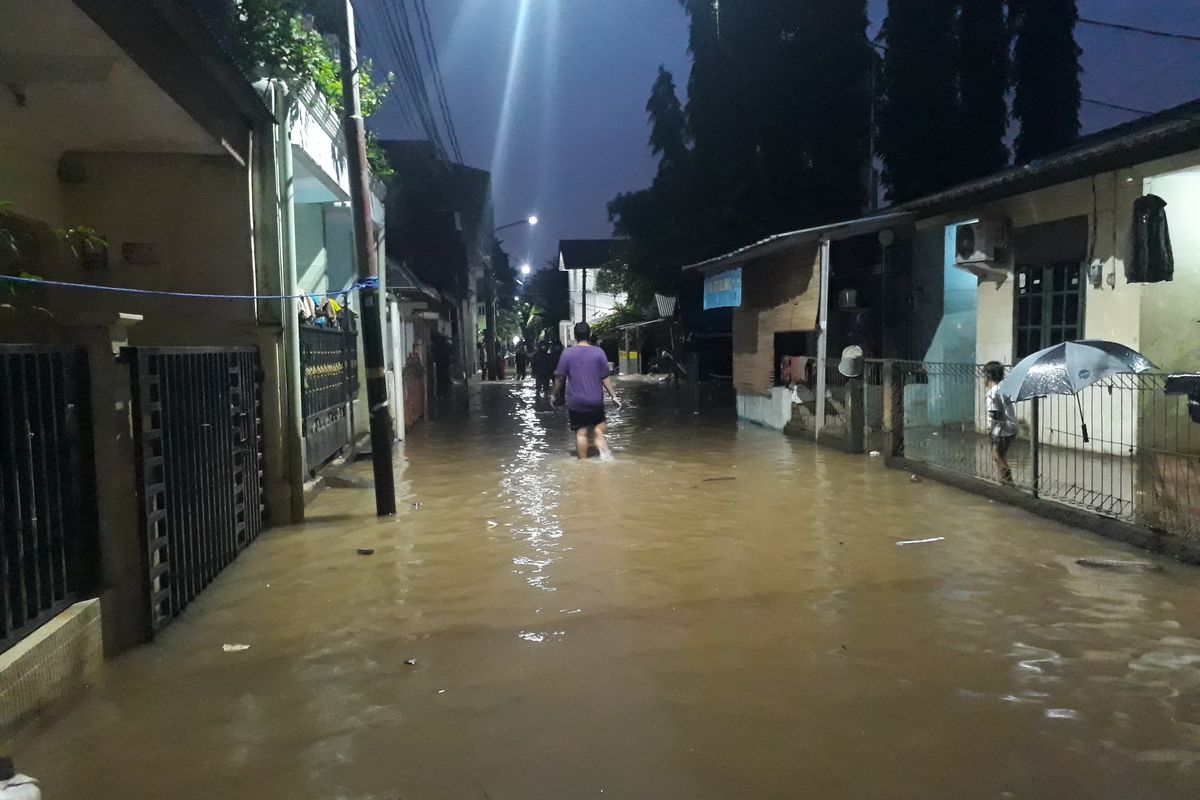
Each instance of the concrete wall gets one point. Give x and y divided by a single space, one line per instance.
194 214
599 304
771 410
48 666
1170 318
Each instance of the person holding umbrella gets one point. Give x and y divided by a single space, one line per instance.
1002 420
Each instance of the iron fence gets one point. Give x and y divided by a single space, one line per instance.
198 429
48 525
1141 462
329 369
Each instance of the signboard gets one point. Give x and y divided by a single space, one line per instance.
723 290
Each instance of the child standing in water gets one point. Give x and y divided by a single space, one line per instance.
1002 420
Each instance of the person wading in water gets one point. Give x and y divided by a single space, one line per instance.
584 368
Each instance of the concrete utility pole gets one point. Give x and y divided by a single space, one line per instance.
368 269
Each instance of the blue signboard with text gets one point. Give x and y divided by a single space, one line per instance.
723 290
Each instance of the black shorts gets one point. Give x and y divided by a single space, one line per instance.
1001 444
585 418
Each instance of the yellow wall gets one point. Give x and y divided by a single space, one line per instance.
197 210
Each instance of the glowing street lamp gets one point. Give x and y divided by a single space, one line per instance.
526 269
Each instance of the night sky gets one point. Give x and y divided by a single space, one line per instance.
549 94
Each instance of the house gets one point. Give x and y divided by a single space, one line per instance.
1044 255
322 351
806 295
441 227
128 125
163 406
583 260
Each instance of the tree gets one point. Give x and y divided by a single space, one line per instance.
668 125
830 61
984 43
1046 75
919 108
546 290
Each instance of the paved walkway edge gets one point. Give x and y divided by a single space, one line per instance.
1137 535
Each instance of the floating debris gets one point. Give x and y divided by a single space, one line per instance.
914 478
875 454
1119 564
412 662
719 480
416 506
1062 713
366 551
235 648
921 541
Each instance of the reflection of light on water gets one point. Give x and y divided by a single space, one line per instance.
533 491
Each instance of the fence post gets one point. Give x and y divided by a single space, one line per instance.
856 414
893 408
1035 446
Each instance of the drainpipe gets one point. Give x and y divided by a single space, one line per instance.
823 336
398 353
291 284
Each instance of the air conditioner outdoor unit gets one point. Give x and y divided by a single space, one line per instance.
982 248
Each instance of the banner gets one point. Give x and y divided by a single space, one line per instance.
723 290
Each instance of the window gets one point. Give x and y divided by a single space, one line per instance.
1049 307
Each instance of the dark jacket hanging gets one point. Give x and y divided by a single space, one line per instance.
1152 260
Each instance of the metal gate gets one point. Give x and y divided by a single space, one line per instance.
48 527
198 429
329 365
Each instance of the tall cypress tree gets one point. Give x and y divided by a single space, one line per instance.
919 108
834 92
668 125
984 42
1046 73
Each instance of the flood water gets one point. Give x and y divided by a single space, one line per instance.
721 613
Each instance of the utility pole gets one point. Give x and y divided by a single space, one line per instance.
368 271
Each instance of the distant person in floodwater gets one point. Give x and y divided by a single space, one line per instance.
543 369
584 368
522 360
1002 419
14 785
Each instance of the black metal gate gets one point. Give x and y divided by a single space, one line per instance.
198 428
329 365
48 528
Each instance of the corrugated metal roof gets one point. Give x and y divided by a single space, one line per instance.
783 242
401 279
1168 133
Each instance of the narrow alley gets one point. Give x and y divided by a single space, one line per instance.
722 612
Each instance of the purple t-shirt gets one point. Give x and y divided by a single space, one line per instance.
585 369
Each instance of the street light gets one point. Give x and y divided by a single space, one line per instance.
490 349
531 221
526 269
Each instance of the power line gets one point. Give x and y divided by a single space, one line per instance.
1134 29
1103 104
434 63
409 67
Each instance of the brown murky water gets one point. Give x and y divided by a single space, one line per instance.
722 613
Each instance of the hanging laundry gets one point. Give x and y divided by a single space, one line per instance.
1152 260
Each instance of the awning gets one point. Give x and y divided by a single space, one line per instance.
403 281
783 242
